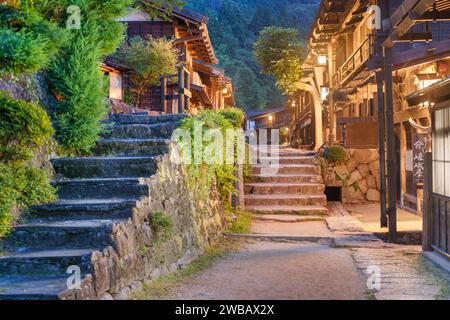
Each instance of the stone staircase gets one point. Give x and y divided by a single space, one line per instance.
296 188
95 193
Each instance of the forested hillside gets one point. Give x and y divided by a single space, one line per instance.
235 25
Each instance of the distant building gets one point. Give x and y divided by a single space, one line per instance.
200 85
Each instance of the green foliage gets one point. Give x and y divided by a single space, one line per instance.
239 221
162 225
27 40
150 59
159 8
335 154
74 76
280 53
24 127
235 116
234 26
202 174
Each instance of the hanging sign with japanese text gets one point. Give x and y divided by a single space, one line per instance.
420 147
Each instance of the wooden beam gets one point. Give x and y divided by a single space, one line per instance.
189 39
430 17
413 37
414 113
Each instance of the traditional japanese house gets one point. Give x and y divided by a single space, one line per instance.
269 119
433 168
197 84
346 71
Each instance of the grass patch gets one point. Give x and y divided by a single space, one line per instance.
161 288
437 275
239 220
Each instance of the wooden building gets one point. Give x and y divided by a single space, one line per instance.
345 73
198 84
269 119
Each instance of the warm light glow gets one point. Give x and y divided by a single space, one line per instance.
426 83
270 118
324 92
322 60
293 103
287 129
225 90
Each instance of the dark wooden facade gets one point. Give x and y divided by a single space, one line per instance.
198 84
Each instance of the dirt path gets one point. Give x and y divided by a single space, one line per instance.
278 260
278 270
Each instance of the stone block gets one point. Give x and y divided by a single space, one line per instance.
352 195
355 176
374 168
373 195
351 164
342 172
362 185
371 182
365 156
364 170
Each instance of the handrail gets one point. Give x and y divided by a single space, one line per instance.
357 58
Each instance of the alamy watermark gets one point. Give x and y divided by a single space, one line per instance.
230 146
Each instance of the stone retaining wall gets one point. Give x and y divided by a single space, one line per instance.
138 255
358 175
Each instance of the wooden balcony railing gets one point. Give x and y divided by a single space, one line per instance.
354 62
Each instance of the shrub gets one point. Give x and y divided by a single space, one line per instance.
150 59
27 41
162 225
235 115
74 77
24 127
22 186
335 154
206 174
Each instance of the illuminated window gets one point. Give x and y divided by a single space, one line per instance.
324 91
322 60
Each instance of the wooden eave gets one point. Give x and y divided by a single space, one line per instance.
436 93
214 77
196 37
331 14
411 12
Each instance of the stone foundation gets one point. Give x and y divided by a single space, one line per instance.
138 255
358 175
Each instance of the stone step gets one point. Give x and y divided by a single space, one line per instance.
285 199
105 167
288 178
146 119
53 262
286 169
42 287
85 209
284 188
74 189
287 160
142 131
132 147
288 210
64 234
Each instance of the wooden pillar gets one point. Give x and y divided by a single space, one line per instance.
333 126
164 102
181 100
391 169
427 230
382 149
187 85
